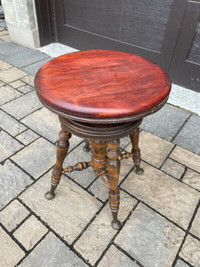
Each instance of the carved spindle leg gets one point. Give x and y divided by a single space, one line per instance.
62 148
113 172
136 151
86 146
99 158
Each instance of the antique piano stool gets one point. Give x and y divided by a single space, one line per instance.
101 96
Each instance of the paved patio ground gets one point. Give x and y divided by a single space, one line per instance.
160 210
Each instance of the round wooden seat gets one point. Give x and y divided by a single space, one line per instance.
102 86
101 95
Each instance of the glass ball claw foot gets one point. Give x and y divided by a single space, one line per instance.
115 222
138 170
50 194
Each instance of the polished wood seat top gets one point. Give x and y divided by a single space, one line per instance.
102 86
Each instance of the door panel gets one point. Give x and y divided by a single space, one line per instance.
147 28
185 67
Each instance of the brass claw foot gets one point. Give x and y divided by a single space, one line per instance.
115 222
138 170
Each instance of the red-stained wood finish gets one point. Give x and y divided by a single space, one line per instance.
102 84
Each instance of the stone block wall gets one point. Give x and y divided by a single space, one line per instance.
21 20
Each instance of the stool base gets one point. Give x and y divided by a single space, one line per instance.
105 158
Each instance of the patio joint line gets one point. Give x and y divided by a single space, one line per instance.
181 128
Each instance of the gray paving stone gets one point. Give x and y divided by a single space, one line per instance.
173 168
181 263
191 251
11 49
17 84
189 135
4 65
25 89
167 195
53 253
192 178
27 57
12 181
13 215
166 122
8 145
22 106
149 238
33 68
7 94
30 232
29 80
10 252
115 258
36 158
84 177
1 83
68 213
10 125
45 122
27 137
98 235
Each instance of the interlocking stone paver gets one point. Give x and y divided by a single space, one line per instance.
124 142
11 75
84 177
33 68
189 135
29 57
191 251
45 122
30 232
25 89
167 195
98 235
10 125
13 215
195 229
115 258
52 252
28 79
166 122
17 84
27 137
4 65
22 106
36 158
7 94
153 149
68 213
192 178
149 238
186 158
173 168
13 181
181 263
8 145
10 252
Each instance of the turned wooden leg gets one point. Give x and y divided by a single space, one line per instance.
62 148
86 147
136 151
99 160
113 167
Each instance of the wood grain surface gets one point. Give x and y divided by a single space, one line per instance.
101 84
